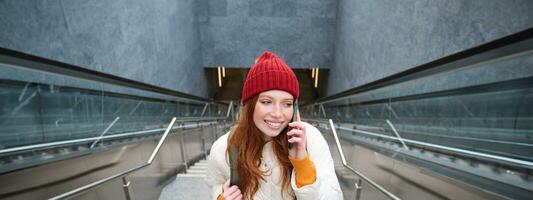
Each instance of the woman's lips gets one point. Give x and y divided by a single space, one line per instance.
273 125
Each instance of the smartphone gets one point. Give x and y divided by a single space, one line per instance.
234 176
295 117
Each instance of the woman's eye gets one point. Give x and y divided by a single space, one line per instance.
265 102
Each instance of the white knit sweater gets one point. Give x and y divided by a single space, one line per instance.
326 185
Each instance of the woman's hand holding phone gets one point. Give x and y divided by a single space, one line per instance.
231 193
297 138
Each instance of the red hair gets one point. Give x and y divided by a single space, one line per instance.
249 142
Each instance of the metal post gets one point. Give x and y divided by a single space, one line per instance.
125 186
182 148
229 109
202 135
397 134
224 127
323 110
205 108
105 131
358 189
158 146
339 147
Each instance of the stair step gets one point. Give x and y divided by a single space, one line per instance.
192 175
197 168
195 171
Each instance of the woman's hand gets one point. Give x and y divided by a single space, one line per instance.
231 193
299 149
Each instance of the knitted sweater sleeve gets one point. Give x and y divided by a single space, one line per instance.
326 185
217 167
305 171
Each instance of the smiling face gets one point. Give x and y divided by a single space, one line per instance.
273 111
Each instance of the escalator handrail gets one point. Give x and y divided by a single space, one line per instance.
454 150
20 59
484 156
84 140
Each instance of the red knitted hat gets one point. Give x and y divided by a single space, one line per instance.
269 73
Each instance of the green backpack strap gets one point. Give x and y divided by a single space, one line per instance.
234 175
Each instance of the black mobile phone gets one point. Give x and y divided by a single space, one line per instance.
234 176
295 117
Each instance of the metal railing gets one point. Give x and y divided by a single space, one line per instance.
453 150
419 144
123 174
93 139
358 186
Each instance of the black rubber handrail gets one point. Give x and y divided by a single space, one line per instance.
25 60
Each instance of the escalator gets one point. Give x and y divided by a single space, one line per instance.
65 128
459 127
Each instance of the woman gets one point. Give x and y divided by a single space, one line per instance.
266 166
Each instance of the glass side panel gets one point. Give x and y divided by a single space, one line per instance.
38 107
486 107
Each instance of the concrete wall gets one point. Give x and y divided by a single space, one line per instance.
168 43
235 32
156 42
375 39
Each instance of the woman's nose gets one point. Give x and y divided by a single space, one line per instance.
277 111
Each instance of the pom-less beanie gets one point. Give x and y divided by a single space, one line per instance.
269 73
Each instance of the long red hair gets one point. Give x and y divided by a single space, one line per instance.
249 142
